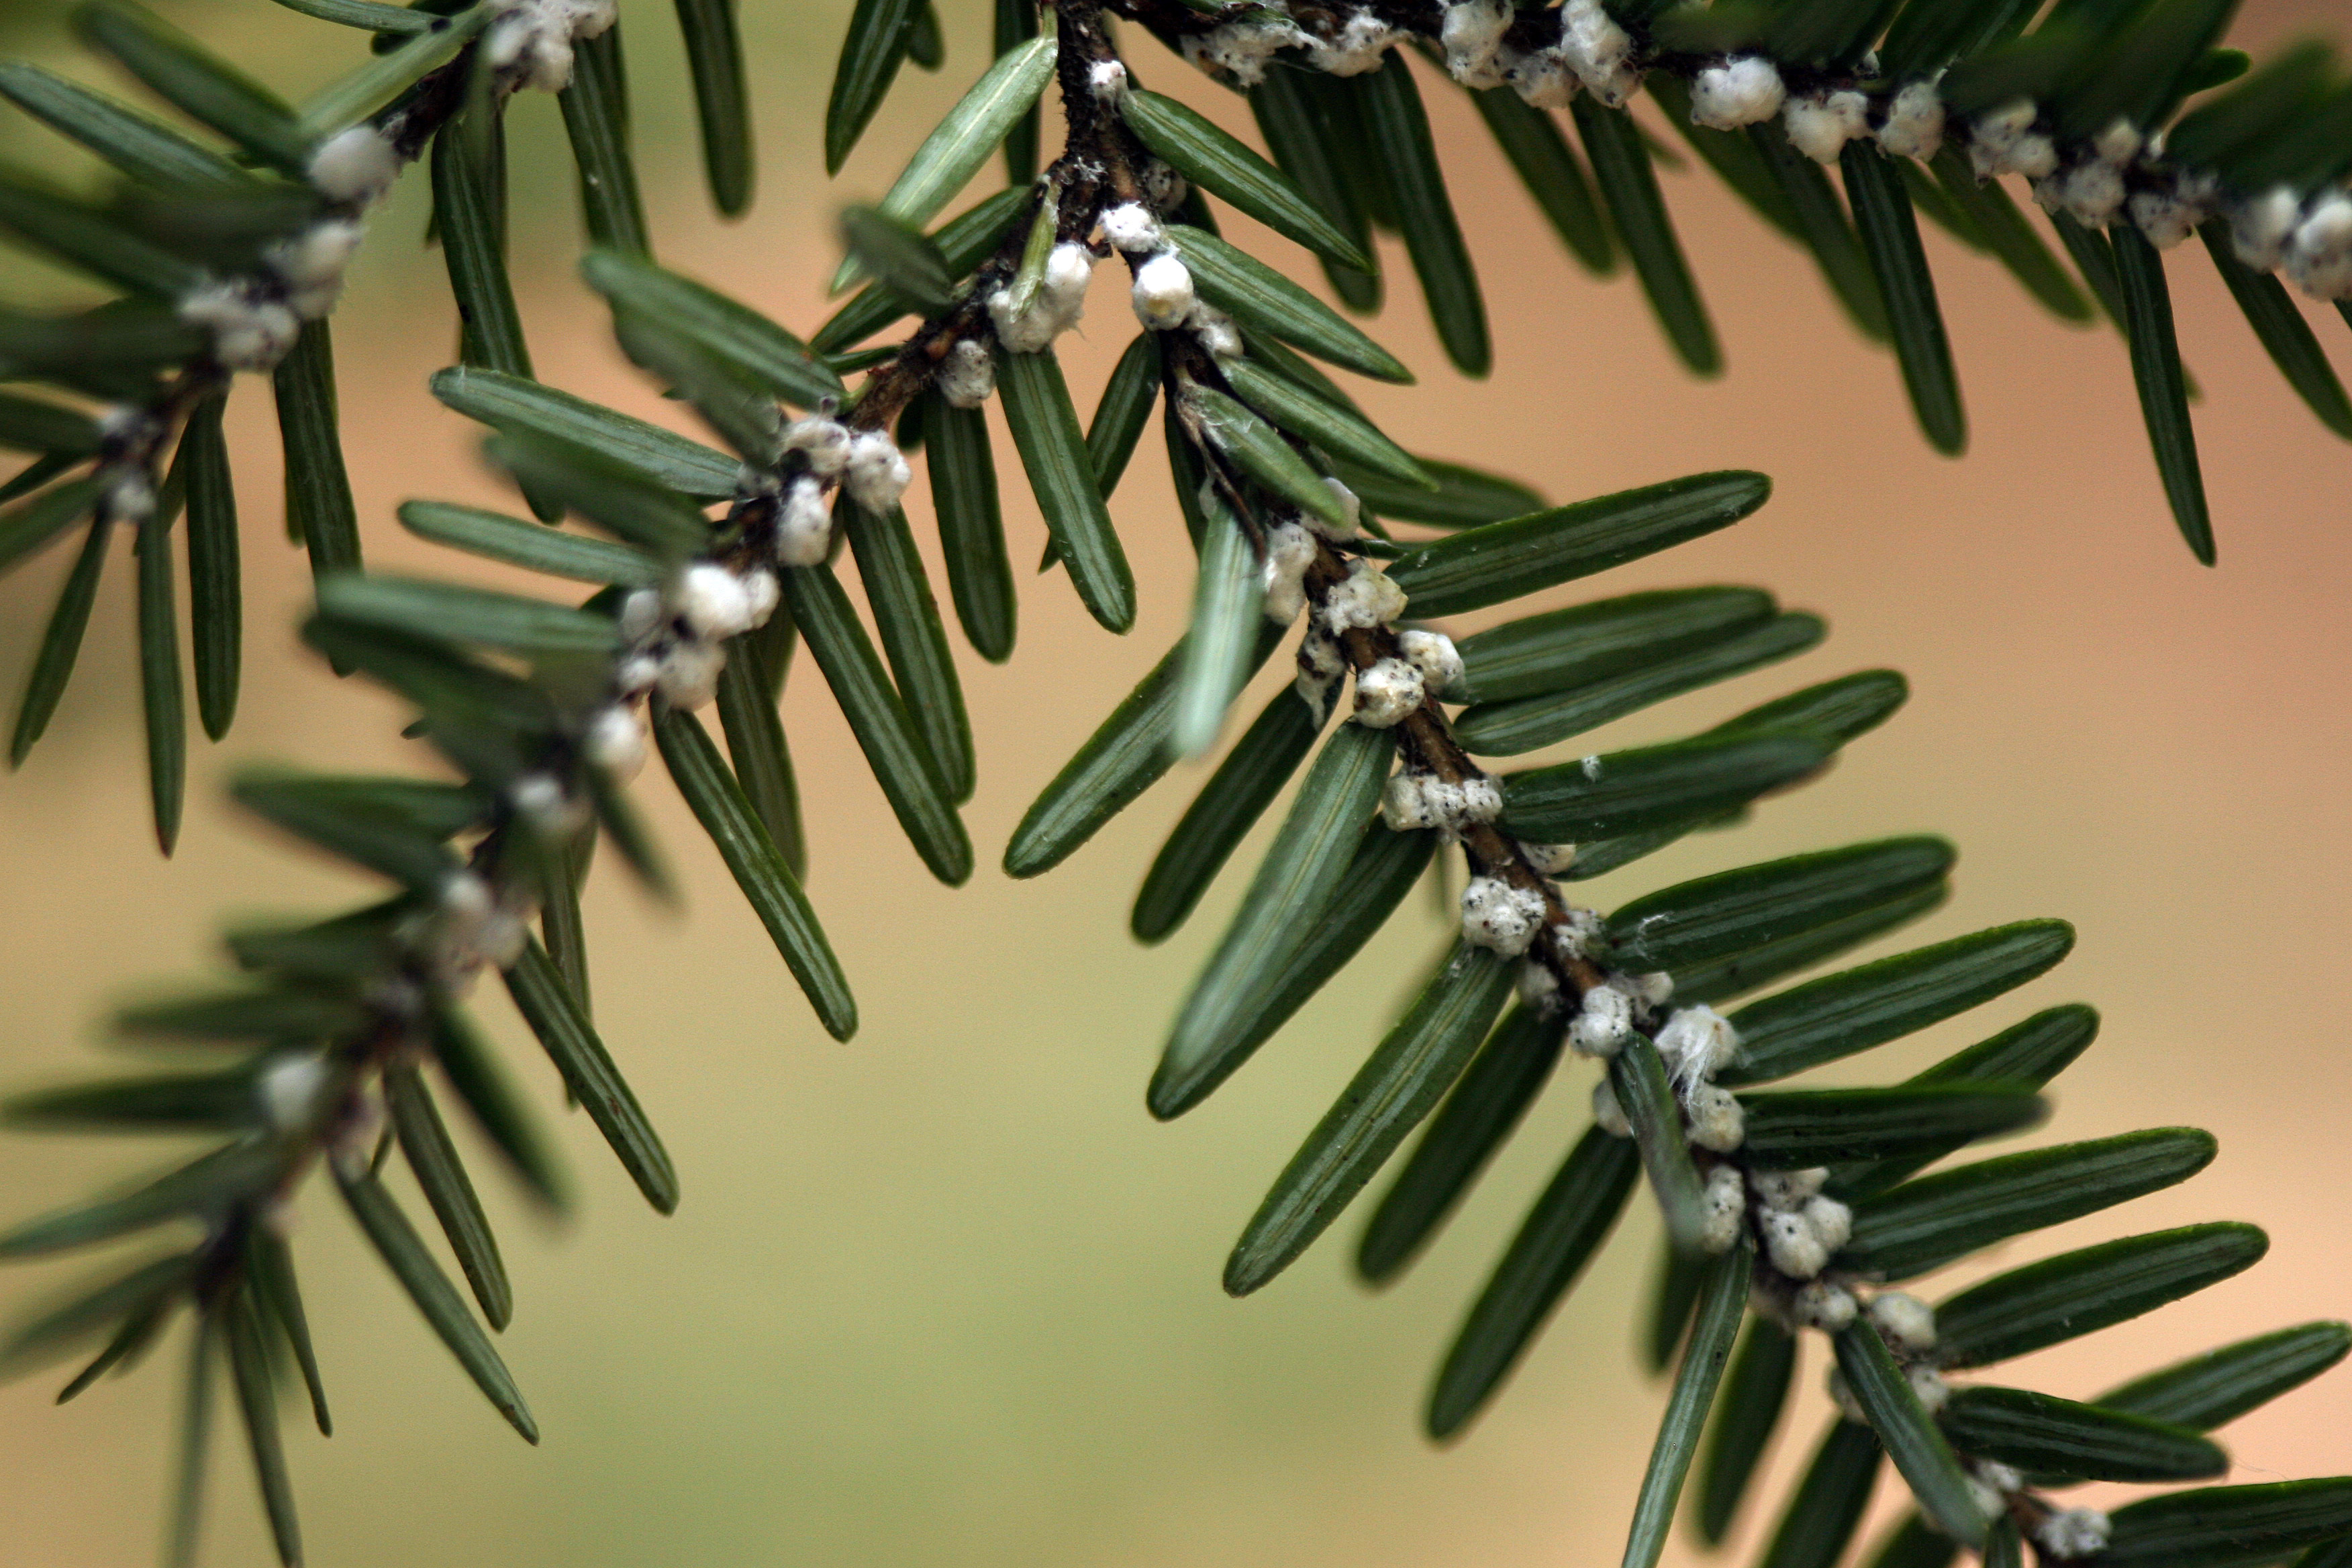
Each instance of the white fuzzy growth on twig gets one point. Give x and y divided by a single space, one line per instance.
1722 1208
357 164
1599 51
1290 550
1604 1022
1241 49
1819 1304
1057 306
616 741
1321 667
823 443
877 473
312 265
1432 654
688 676
1914 121
967 375
1388 693
1351 506
1907 1323
531 39
1696 1043
1735 93
803 525
1368 598
1162 292
1356 48
289 1090
2169 217
1543 80
1472 35
1551 859
1819 124
1716 1120
2319 257
1415 798
1129 227
1215 331
2261 226
2073 1532
249 331
1498 915
1107 79
2002 141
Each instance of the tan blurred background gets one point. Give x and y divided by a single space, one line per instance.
946 1294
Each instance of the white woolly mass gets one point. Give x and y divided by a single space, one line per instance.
533 38
1543 80
689 674
1214 329
1610 1116
475 927
1414 799
1819 124
2120 143
2167 217
1498 915
1130 227
1818 1304
2002 141
248 332
1162 292
2319 257
1289 550
2260 228
1830 1220
803 525
1599 51
2001 1477
2091 193
290 1090
1472 33
1722 1206
1791 1189
1107 79
1914 121
641 615
1351 506
877 474
312 263
713 602
2073 1532
968 374
354 165
1604 1022
1694 1043
1791 1245
129 498
1368 598
1388 693
1320 669
635 675
1929 1385
1242 48
1735 93
1432 654
1715 1118
1582 935
542 800
616 741
1907 1323
825 443
1059 303
1539 988
1652 989
1355 48
1551 859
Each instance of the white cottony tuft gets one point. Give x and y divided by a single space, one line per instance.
823 443
1696 1042
1354 49
1914 123
1432 654
1320 668
2261 226
1791 1189
354 165
1163 294
1130 227
1907 1322
616 741
2091 193
1215 330
1792 1244
1599 51
2073 1532
877 474
1242 48
290 1090
1289 551
312 264
247 332
1539 988
1819 124
1498 915
533 38
2319 258
1716 1121
1723 1206
805 525
1060 301
713 601
1544 80
2003 141
1350 504
1929 1384
1610 1116
1107 79
1818 1304
689 674
1604 1022
1832 1221
1735 93
641 615
1551 859
1387 694
968 374
1368 598
1414 799
1472 33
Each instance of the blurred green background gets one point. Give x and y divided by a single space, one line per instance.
946 1294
